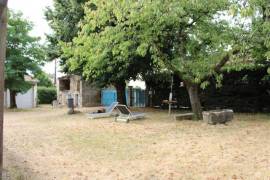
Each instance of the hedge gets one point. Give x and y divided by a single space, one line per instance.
46 95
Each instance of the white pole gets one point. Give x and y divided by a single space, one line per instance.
170 97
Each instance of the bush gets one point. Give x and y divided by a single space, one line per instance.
46 95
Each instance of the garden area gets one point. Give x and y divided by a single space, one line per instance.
207 63
46 143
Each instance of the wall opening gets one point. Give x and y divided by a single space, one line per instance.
64 84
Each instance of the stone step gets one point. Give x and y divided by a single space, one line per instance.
185 116
218 116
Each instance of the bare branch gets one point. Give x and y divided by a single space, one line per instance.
221 64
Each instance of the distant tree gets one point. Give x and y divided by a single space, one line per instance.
24 55
63 18
258 41
43 79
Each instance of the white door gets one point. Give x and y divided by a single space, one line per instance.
25 100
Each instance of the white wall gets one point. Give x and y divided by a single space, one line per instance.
24 101
6 99
137 83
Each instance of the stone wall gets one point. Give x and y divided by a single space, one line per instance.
90 95
83 93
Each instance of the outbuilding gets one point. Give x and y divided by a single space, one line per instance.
25 100
84 93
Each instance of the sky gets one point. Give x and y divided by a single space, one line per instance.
33 10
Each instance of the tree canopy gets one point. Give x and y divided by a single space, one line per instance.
186 37
119 40
63 18
43 79
24 55
99 54
258 46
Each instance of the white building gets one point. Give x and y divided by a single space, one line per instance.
26 100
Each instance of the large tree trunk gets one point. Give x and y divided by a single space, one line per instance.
193 91
13 103
3 36
121 92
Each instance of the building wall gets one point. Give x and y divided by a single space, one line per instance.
90 95
84 95
24 101
73 91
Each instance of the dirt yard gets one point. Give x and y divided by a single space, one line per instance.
47 144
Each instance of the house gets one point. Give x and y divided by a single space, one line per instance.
83 93
24 100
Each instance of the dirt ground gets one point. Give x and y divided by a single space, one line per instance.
47 144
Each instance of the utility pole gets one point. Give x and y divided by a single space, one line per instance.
55 72
170 97
3 37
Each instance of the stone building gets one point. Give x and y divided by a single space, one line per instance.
83 93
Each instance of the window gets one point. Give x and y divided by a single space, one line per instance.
64 85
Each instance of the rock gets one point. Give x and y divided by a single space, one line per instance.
218 116
186 116
71 111
55 104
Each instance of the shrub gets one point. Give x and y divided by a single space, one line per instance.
46 95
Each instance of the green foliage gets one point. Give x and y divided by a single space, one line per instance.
119 39
63 18
258 46
44 79
104 50
187 36
24 53
46 95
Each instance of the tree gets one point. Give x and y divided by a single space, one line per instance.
63 18
99 52
258 41
3 32
43 79
24 55
189 37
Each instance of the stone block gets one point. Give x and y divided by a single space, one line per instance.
186 116
218 116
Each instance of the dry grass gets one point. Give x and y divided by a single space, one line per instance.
46 144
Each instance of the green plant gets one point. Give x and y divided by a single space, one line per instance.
46 95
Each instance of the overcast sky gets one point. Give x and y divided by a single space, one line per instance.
33 10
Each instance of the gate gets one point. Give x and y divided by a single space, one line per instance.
139 97
108 96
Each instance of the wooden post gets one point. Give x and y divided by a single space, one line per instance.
55 72
130 93
3 36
